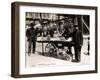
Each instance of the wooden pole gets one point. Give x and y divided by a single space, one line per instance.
42 34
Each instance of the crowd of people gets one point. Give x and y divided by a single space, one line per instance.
64 27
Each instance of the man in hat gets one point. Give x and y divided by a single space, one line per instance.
78 42
38 27
31 38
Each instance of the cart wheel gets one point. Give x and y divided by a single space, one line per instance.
67 57
60 55
64 57
50 50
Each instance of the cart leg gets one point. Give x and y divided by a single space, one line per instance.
42 49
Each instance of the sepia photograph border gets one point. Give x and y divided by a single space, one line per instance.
15 32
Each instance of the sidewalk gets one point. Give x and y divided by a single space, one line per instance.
39 60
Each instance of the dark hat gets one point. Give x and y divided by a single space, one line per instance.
44 21
36 19
32 24
66 18
70 19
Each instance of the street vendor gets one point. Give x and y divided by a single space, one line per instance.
45 29
68 31
53 28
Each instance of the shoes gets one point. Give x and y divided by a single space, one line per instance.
75 60
33 52
29 54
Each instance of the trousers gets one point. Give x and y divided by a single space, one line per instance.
31 46
77 53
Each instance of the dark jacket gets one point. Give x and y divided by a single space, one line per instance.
66 34
77 38
31 34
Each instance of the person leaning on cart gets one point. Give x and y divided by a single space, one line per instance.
78 42
31 38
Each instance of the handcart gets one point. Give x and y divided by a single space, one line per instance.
58 48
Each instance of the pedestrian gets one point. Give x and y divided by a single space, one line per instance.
78 42
31 38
